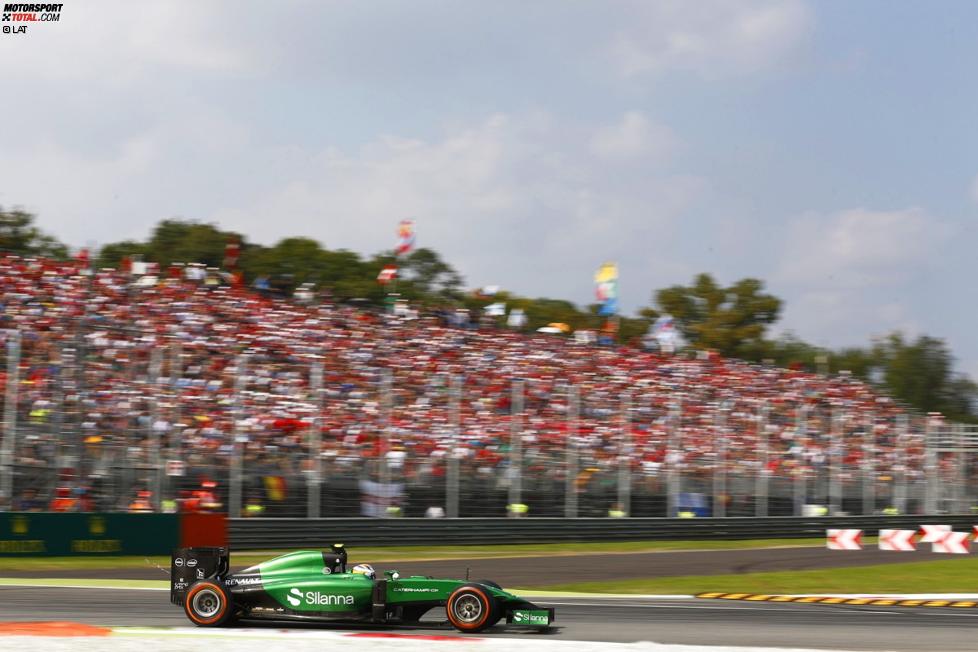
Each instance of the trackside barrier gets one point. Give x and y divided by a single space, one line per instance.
941 537
265 533
31 534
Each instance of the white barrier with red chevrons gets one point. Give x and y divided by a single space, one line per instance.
933 533
941 537
844 539
897 540
955 543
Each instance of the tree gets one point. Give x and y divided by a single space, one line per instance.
430 276
731 320
111 255
921 374
176 241
19 236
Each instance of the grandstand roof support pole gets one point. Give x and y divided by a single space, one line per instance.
315 484
571 453
720 462
451 470
761 483
900 479
516 445
10 420
674 479
930 468
237 443
835 463
387 401
154 435
625 451
869 465
798 486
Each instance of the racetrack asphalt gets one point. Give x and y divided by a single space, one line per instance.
691 622
559 569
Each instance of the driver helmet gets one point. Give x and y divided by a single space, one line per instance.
365 569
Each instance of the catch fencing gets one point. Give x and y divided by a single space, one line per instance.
112 422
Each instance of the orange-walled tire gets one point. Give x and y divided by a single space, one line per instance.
471 609
208 604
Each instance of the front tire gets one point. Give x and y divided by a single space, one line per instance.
471 609
208 604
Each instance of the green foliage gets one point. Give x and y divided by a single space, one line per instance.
427 274
922 374
111 255
731 320
19 236
174 241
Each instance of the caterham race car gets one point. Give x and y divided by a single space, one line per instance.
316 585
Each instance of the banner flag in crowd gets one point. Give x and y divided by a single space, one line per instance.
232 251
83 258
387 274
497 309
606 288
405 237
665 333
517 318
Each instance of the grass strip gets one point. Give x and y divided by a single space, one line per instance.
419 553
90 583
944 576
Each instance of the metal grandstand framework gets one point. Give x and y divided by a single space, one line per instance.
925 465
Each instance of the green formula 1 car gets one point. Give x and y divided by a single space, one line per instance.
315 585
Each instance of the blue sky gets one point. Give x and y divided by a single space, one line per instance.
827 148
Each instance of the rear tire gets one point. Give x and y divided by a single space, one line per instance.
489 583
470 609
208 604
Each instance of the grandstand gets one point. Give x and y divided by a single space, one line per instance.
127 385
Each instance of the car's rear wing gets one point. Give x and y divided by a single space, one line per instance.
188 565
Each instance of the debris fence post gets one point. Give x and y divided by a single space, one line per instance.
387 402
673 455
571 453
315 484
835 463
10 419
761 486
799 488
720 468
451 471
154 435
625 456
516 444
238 437
869 464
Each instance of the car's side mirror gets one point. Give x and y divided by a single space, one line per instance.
392 574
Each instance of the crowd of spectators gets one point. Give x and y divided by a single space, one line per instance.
110 366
